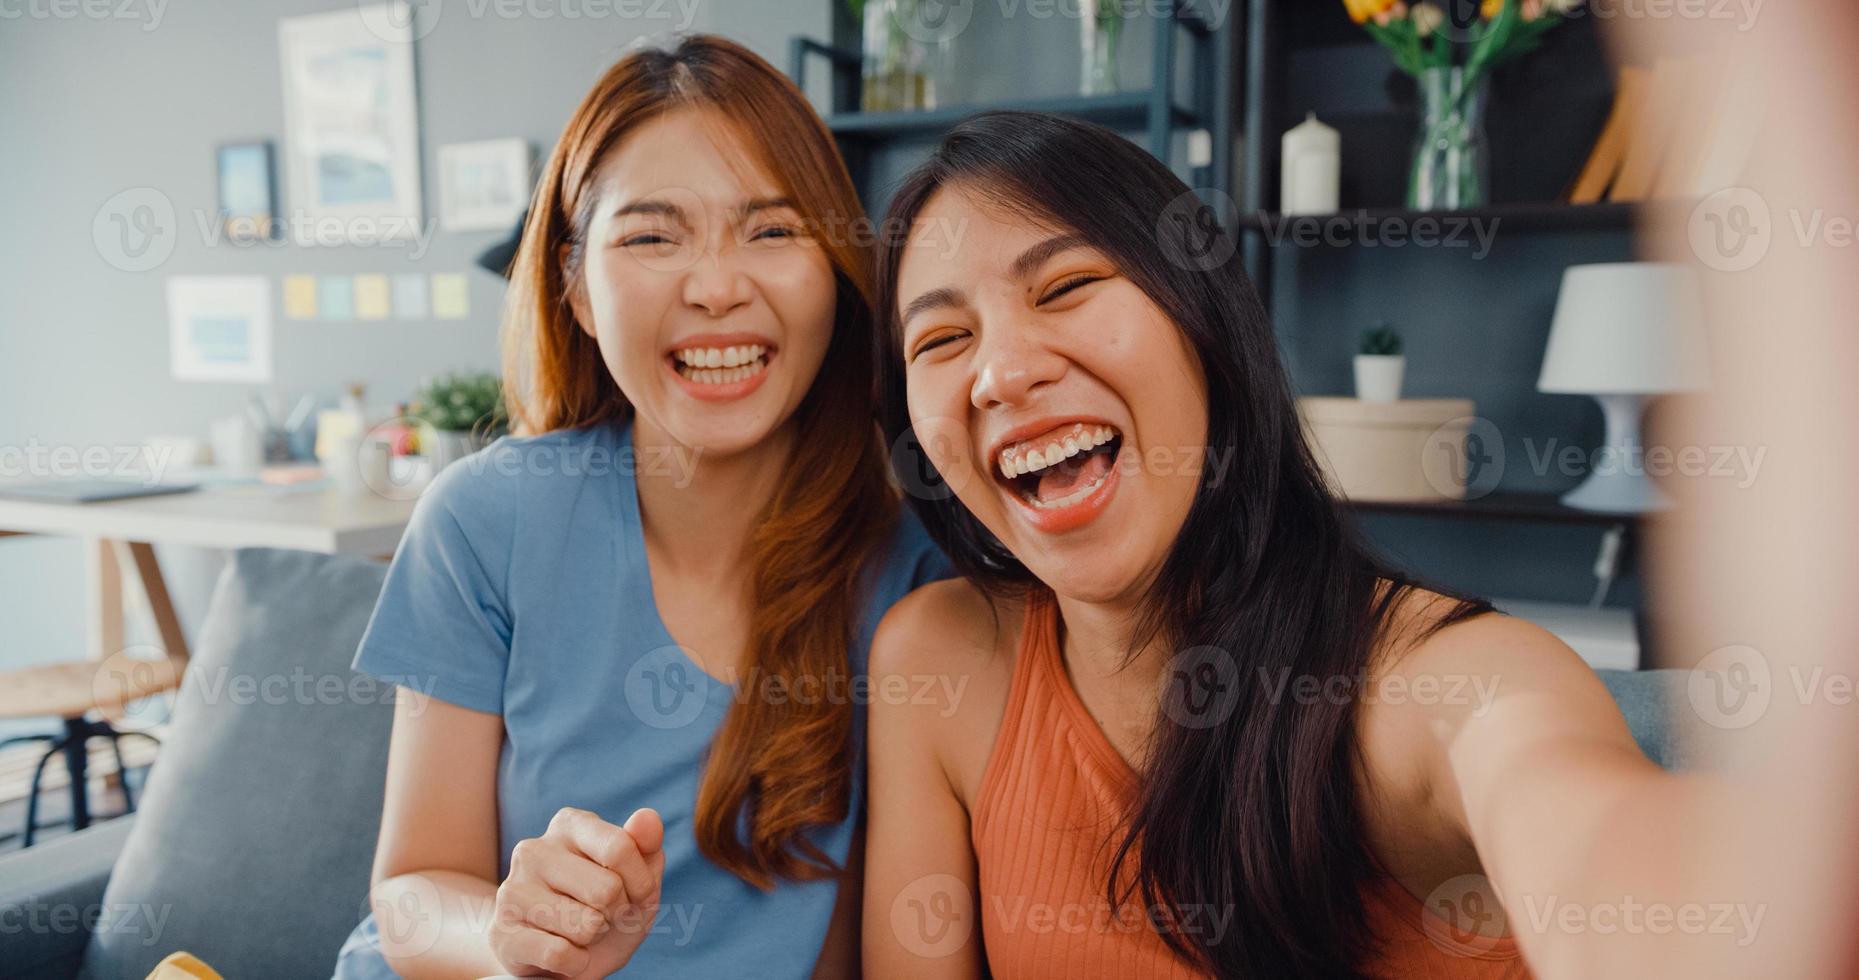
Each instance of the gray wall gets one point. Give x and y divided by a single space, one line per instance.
94 107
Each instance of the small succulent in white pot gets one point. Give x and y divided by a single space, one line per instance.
1379 365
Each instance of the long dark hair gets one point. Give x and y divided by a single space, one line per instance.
1254 814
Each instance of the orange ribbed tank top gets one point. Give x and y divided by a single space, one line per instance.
1047 822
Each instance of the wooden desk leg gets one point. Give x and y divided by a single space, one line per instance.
103 613
167 623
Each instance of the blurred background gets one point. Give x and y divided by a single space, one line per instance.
254 250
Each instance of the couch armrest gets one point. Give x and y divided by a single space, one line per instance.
51 895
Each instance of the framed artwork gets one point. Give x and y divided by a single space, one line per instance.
219 328
483 186
247 191
351 127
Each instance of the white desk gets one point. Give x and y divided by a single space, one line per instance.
124 532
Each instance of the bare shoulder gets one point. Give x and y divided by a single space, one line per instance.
944 625
1486 686
1421 641
941 671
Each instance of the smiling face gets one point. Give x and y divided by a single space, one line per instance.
1062 405
712 305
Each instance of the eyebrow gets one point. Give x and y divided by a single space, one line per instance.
943 297
1027 261
676 213
1043 252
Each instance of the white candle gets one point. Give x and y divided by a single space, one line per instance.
1312 168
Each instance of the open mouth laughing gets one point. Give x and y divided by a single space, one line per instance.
717 371
1062 475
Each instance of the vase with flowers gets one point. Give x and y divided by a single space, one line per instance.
1450 62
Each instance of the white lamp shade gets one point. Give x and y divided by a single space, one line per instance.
1626 328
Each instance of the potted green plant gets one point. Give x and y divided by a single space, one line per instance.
1379 365
459 414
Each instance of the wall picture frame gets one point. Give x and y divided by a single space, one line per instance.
246 175
485 185
219 328
351 124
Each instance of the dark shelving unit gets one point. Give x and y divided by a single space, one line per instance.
1543 508
1474 326
1155 110
1124 110
1550 216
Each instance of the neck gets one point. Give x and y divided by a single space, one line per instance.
1099 637
698 508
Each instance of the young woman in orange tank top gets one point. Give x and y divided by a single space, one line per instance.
1179 720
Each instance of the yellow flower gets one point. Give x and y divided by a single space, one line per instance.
1492 7
1361 10
1427 18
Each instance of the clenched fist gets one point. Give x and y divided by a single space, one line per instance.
580 898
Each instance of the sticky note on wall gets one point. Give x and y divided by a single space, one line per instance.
371 297
410 296
300 297
451 299
336 294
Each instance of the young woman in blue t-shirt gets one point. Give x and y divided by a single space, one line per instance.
632 636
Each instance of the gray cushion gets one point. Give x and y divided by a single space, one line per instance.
1658 711
256 832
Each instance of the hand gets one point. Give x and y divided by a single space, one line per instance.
580 898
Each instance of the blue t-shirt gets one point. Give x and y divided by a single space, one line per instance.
521 589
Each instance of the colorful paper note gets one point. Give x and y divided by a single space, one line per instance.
410 296
300 297
336 294
371 297
451 299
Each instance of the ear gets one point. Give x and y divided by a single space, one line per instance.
576 288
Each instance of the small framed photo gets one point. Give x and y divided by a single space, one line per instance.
483 186
247 191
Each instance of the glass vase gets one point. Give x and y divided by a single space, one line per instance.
1452 160
895 72
1100 28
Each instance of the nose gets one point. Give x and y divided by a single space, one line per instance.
715 285
1013 363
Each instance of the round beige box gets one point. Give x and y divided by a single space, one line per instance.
1409 450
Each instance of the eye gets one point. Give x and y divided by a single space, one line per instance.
644 238
940 340
774 231
1066 285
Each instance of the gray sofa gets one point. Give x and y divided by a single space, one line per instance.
252 845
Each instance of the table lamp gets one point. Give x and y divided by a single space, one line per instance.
1624 332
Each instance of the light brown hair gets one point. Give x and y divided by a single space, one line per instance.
777 767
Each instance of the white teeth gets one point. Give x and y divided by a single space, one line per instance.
1069 499
723 357
721 366
1017 460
